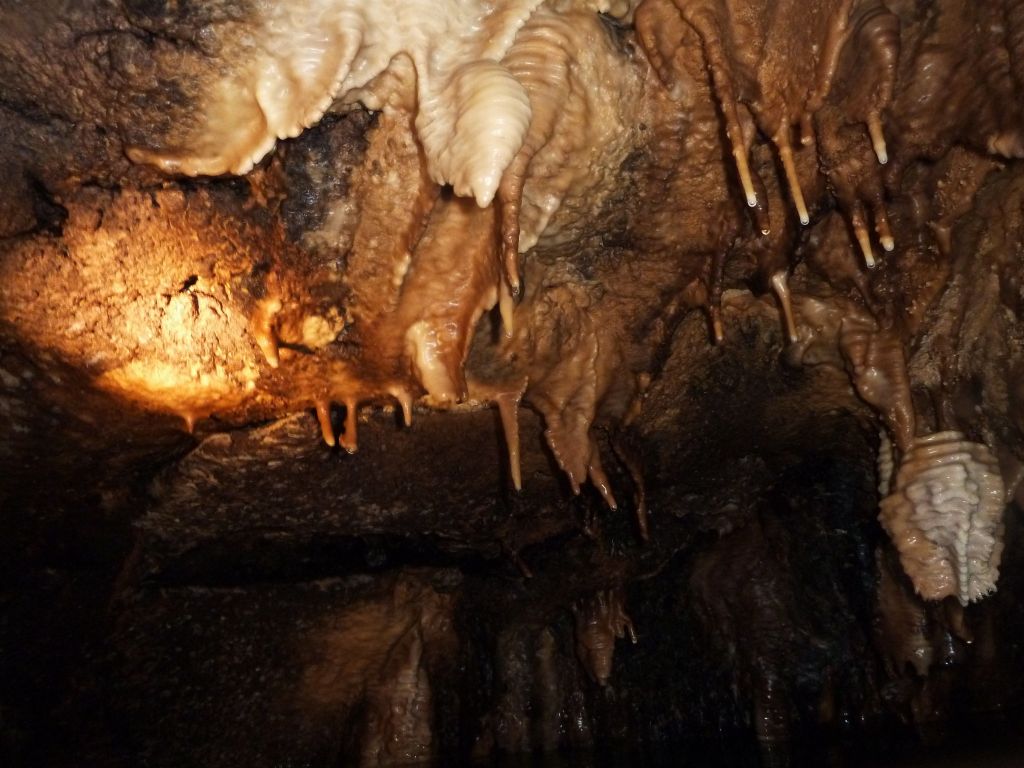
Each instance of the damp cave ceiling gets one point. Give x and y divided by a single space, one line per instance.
644 252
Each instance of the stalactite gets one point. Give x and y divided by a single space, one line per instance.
902 632
878 367
600 621
452 280
945 516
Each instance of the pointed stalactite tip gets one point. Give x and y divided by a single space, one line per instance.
323 416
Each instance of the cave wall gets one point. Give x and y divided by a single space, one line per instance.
312 452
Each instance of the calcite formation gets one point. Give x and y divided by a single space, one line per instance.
600 621
945 515
529 109
472 113
594 298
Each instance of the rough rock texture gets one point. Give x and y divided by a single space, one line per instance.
329 463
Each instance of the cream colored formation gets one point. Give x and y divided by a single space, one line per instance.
472 114
945 515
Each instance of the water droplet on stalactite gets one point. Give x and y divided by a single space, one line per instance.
762 216
510 201
600 480
743 169
860 232
878 138
882 229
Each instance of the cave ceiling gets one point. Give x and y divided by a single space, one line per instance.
501 309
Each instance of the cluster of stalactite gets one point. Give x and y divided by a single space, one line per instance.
530 117
519 204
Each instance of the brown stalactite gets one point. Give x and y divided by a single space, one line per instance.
540 59
451 281
879 372
827 81
569 362
902 630
600 621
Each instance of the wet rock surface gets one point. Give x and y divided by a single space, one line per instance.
313 466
